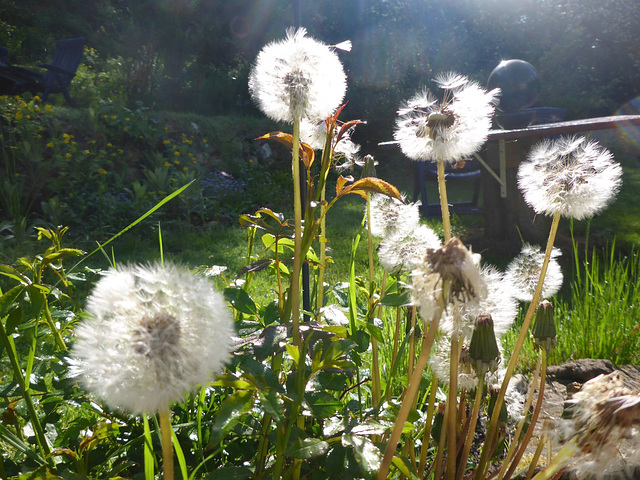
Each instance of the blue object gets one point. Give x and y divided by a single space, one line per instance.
518 82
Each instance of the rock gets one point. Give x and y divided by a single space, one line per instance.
580 370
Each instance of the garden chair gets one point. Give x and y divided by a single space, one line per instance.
58 75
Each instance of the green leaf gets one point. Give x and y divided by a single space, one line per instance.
229 473
375 332
229 414
365 452
9 299
179 454
230 381
397 299
240 300
307 448
60 255
401 465
10 439
294 352
272 404
148 451
322 404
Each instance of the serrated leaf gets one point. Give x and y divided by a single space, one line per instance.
307 154
322 404
307 448
272 404
229 414
370 185
240 300
367 455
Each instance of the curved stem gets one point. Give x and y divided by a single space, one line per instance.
444 203
513 361
452 408
410 394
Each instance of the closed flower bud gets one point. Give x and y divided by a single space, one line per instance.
483 351
544 327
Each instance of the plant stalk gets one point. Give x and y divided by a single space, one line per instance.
444 203
297 236
167 445
524 329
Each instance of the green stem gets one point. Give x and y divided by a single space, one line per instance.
297 236
560 460
375 365
444 203
536 457
410 394
424 449
167 445
513 361
10 348
52 326
323 254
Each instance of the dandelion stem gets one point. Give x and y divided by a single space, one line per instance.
375 366
167 445
424 449
444 203
472 428
297 238
524 329
410 393
452 408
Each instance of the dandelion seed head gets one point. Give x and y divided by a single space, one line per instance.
571 176
603 419
403 253
154 334
447 130
524 270
391 217
297 77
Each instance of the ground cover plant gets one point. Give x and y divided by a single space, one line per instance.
379 372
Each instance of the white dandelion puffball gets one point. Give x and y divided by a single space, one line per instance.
406 252
524 271
297 77
154 334
570 176
392 217
448 130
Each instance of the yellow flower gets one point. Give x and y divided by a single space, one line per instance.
186 169
50 145
102 171
113 117
166 142
48 108
19 115
36 98
87 152
176 153
68 155
167 164
176 162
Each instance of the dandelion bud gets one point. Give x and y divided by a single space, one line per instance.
494 390
544 328
483 351
369 168
438 420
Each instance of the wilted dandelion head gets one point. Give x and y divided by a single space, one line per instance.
448 130
571 176
297 77
603 419
524 270
153 335
499 302
405 252
448 277
391 217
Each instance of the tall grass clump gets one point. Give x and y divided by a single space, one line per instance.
601 319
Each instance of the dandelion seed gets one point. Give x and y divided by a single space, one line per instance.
570 176
447 130
154 334
524 271
298 77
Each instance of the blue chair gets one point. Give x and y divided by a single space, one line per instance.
427 173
